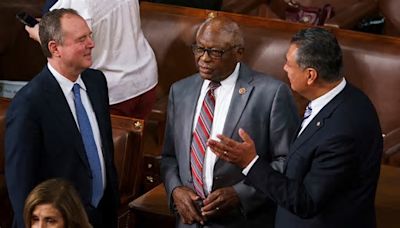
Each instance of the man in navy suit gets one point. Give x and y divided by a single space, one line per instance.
333 164
43 137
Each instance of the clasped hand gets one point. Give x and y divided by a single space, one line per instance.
217 203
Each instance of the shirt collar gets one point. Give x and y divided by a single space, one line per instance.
230 80
66 84
324 99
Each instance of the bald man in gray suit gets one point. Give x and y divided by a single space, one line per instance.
245 99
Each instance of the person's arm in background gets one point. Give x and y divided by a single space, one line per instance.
33 31
82 7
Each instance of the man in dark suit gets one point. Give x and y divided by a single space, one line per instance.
333 165
244 99
45 134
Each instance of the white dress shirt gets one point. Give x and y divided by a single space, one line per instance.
223 97
66 86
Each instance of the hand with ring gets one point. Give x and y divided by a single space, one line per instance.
240 153
220 202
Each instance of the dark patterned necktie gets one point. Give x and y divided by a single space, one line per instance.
90 146
200 136
307 113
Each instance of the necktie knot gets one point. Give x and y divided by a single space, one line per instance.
76 89
307 112
214 85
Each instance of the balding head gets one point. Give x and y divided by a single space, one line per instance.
218 48
224 26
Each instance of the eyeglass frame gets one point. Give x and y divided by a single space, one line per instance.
220 52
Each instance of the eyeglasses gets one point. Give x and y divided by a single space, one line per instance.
212 52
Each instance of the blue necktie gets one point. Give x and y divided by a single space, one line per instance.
90 147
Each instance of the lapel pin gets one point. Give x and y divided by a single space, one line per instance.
242 91
318 123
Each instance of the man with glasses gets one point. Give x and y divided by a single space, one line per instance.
224 96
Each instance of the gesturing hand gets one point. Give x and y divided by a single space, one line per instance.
185 202
219 202
238 153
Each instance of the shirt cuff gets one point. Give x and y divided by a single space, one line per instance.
246 170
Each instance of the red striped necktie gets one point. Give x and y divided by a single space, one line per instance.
200 137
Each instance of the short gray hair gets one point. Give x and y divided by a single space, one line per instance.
226 25
50 28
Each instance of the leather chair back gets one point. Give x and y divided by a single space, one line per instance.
128 158
20 57
390 10
6 212
370 61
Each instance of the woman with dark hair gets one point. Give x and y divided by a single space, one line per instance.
55 203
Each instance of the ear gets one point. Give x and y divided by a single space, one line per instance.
239 53
312 76
53 48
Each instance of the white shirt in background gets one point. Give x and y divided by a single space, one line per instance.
121 51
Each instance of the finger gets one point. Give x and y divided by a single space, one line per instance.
210 213
216 147
193 214
198 217
211 197
244 136
194 196
211 203
229 143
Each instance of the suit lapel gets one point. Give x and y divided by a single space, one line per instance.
239 100
319 121
188 109
57 102
238 104
94 98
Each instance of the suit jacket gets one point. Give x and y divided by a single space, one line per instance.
332 168
43 142
266 111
